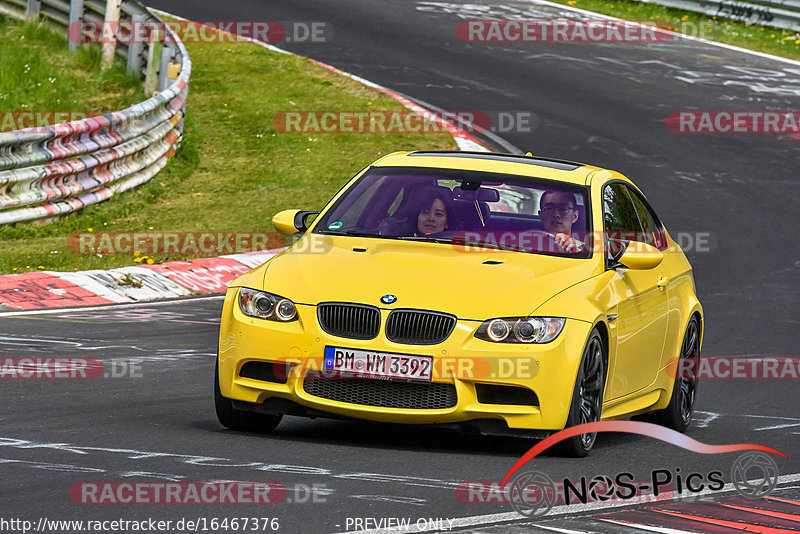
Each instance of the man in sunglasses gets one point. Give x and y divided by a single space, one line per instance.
558 211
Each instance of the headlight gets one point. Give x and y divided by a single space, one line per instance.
521 329
264 305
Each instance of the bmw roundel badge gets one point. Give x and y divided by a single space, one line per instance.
388 299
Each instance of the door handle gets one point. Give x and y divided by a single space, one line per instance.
662 282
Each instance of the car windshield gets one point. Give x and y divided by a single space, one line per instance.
464 208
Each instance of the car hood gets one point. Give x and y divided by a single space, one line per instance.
431 276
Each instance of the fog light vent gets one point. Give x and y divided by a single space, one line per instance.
266 371
494 394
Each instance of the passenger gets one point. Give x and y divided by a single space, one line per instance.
558 211
430 207
426 213
432 218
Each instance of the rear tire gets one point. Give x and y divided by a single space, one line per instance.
587 398
678 414
235 419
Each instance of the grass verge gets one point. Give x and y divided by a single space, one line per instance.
37 73
234 171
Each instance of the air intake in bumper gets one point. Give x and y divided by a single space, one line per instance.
513 395
383 393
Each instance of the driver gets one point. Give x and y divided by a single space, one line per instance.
558 211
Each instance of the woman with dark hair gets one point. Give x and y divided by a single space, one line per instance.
431 207
425 212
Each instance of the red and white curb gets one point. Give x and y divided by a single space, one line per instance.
50 289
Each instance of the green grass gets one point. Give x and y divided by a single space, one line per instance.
37 73
783 43
233 171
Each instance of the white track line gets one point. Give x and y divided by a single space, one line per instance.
650 528
110 306
491 135
562 530
679 35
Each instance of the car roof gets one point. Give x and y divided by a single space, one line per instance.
533 166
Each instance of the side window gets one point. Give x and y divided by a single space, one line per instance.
653 234
619 215
619 218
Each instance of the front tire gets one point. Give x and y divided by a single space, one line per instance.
235 419
587 398
678 414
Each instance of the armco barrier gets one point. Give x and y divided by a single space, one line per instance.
53 170
775 13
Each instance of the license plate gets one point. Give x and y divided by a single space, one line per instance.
382 365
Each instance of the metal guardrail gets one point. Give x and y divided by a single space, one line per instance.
774 13
53 170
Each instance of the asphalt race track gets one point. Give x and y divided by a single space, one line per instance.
604 104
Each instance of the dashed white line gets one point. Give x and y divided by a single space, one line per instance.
111 306
649 528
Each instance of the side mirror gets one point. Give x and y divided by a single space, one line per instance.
291 222
639 256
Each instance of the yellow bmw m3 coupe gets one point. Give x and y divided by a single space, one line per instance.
495 293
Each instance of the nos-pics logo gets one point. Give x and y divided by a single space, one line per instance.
532 493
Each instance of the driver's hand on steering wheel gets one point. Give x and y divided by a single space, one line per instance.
568 243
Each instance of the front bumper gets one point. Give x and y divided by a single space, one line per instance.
461 362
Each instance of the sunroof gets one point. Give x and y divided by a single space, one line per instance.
512 158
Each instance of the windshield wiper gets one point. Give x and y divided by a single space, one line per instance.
354 233
428 238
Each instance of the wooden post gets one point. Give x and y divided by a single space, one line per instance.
112 20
